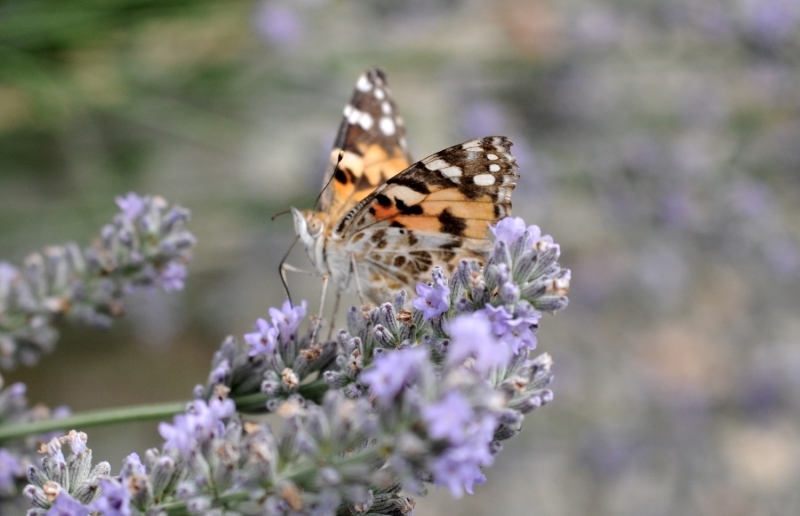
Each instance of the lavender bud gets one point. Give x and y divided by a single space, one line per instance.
163 470
506 432
336 379
79 466
36 476
550 303
533 289
500 254
198 505
510 417
387 317
384 338
353 390
329 476
463 304
271 387
400 300
176 216
356 322
546 259
36 495
509 293
87 491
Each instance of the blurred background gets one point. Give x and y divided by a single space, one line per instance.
659 143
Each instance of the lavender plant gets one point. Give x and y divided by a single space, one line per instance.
146 245
409 394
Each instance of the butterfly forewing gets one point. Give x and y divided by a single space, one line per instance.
457 191
436 212
372 139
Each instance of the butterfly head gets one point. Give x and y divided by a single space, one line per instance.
310 227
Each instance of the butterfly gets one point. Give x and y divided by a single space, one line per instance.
384 222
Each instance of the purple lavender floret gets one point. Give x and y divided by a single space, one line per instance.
432 300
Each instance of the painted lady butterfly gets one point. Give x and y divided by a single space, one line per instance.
383 223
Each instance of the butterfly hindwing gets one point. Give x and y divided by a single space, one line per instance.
372 140
457 192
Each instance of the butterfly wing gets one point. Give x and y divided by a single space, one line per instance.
372 138
436 212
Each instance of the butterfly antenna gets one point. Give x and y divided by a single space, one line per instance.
278 214
326 185
283 271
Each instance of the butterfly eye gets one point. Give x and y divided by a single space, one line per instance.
314 226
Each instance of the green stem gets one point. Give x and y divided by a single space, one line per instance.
92 418
247 403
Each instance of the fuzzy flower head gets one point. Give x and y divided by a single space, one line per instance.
472 337
433 300
392 371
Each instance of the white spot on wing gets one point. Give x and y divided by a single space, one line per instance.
386 107
387 126
347 110
365 121
363 83
437 164
483 180
494 168
473 145
451 172
353 116
491 156
379 94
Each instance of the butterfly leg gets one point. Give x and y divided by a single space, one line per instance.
354 271
318 322
291 268
333 315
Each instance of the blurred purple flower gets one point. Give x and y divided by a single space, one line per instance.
67 506
263 339
114 500
471 336
458 467
10 469
179 435
278 23
131 205
771 21
448 418
483 117
171 277
392 371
